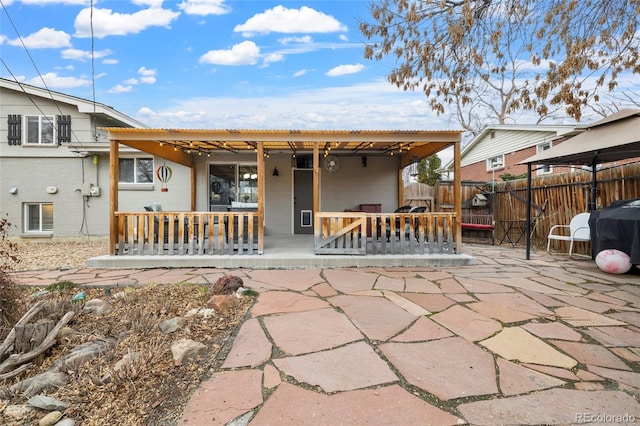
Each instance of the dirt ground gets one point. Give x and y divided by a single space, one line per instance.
149 391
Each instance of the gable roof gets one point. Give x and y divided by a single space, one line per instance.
616 137
517 136
106 113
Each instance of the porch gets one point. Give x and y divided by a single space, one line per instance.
235 240
281 252
206 227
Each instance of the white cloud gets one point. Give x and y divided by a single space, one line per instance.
106 22
204 7
147 76
131 81
110 61
54 81
344 70
44 38
84 55
271 58
119 88
48 2
245 53
150 3
374 105
290 21
300 73
344 37
3 39
288 40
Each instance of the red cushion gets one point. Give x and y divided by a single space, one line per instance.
478 226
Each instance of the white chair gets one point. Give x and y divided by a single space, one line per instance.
578 231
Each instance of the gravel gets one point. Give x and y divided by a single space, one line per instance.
56 253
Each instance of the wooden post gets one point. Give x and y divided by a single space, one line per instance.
316 178
457 195
113 194
260 198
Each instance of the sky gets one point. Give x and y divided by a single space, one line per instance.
212 63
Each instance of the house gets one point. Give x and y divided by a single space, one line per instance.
71 167
54 169
499 149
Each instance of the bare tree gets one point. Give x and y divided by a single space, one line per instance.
489 58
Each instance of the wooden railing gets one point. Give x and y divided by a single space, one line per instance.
187 233
384 233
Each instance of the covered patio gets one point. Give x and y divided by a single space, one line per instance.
330 226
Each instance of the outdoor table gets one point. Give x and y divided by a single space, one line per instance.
513 229
617 227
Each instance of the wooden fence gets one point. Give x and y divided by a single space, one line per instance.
556 198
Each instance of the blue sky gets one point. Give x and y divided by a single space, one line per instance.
212 63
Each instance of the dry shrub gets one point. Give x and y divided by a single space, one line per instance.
10 310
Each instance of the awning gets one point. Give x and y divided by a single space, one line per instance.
616 137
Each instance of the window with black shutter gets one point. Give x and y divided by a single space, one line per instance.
64 129
15 129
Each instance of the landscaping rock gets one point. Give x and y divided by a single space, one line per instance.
227 284
98 307
171 325
47 403
50 419
184 350
17 412
221 303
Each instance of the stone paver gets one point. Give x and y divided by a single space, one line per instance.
303 332
277 302
515 379
448 368
555 406
233 393
552 330
549 340
590 354
350 367
250 347
376 317
383 406
467 323
517 344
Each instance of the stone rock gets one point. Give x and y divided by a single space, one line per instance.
192 313
207 313
98 307
119 295
47 403
171 325
221 303
184 350
242 420
40 294
66 422
227 284
17 412
50 419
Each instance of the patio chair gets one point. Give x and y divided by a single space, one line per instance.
578 230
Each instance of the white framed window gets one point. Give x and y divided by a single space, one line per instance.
38 217
544 169
135 170
40 130
495 163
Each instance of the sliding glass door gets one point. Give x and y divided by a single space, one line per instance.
233 185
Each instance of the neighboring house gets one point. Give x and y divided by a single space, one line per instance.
54 162
500 148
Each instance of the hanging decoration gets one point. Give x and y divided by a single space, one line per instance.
164 173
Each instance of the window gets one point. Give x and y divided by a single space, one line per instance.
39 129
546 168
495 163
135 170
232 183
38 217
